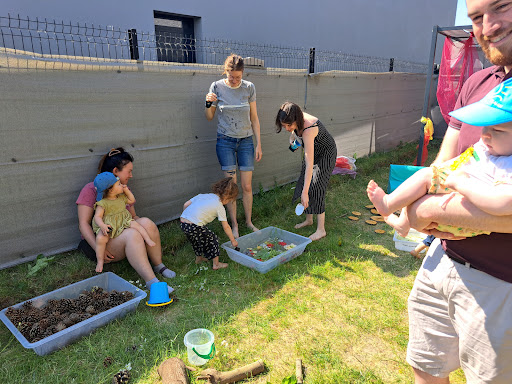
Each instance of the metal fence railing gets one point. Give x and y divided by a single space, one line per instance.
60 40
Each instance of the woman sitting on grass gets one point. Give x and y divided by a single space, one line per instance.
130 243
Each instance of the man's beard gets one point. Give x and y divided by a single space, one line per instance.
501 56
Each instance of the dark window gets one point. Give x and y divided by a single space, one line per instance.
175 38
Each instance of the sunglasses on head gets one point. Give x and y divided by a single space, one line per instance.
113 152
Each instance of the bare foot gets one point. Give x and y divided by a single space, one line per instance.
305 223
378 197
318 235
235 232
219 265
200 259
401 226
252 227
150 243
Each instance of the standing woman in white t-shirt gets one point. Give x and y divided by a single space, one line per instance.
235 100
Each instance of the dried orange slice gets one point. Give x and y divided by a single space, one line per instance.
374 211
380 231
370 206
377 218
355 213
353 218
371 222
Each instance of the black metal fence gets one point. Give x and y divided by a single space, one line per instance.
58 39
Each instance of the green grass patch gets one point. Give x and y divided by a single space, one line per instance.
341 306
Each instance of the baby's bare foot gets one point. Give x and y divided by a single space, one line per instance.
150 243
235 232
378 197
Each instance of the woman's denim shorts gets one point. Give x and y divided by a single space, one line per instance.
232 151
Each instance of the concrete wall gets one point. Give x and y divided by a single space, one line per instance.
400 28
59 118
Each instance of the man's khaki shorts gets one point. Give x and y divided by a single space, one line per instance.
459 316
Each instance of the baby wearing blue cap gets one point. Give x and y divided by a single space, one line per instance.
482 174
111 217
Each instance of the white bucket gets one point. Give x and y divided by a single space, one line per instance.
200 346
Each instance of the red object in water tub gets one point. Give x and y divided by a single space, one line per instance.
282 243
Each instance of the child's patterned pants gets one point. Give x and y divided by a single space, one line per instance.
204 241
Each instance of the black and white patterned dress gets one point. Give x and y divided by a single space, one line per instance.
323 164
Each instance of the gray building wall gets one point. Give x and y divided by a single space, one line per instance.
58 118
382 28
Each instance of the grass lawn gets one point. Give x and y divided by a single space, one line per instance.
341 306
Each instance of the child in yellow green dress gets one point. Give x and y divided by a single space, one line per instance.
111 217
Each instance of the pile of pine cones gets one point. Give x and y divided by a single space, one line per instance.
37 323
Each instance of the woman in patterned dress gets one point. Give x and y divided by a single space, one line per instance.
317 165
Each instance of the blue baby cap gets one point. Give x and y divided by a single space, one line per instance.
104 181
495 108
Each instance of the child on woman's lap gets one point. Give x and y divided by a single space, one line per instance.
203 209
482 174
111 217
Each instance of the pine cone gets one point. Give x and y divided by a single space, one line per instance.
30 316
83 302
51 306
75 318
35 333
14 315
54 318
68 322
60 326
65 305
121 377
107 362
24 328
98 293
50 331
115 298
127 295
37 314
101 305
44 323
90 310
27 305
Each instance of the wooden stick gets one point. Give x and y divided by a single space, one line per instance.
212 376
298 371
174 371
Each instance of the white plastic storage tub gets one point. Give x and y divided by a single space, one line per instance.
410 242
253 239
108 281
